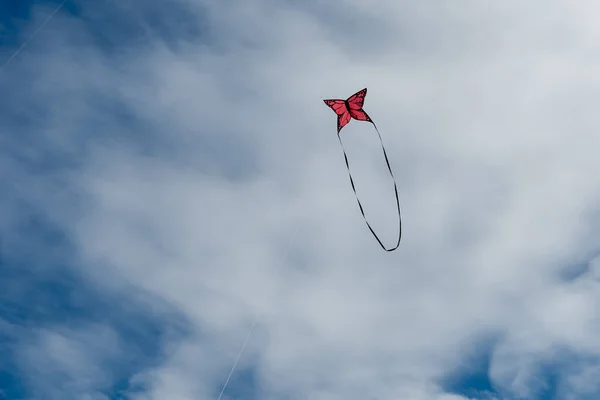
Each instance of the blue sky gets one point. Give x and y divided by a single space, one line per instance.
157 159
44 294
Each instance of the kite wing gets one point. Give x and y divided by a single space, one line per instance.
341 109
355 105
339 106
360 115
357 100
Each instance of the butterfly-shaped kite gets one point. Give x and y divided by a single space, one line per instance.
350 108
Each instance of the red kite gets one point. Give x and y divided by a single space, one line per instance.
350 108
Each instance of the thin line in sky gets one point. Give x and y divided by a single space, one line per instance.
256 317
33 35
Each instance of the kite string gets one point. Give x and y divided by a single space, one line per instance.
256 318
33 35
387 161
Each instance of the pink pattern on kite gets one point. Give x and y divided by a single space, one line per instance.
349 108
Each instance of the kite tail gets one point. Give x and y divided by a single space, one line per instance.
387 161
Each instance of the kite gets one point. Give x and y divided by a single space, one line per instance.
353 108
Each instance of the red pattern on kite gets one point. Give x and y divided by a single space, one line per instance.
349 108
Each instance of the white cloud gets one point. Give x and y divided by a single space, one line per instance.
489 115
62 362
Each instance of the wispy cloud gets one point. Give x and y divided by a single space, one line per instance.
159 157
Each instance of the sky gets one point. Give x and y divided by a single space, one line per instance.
170 172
